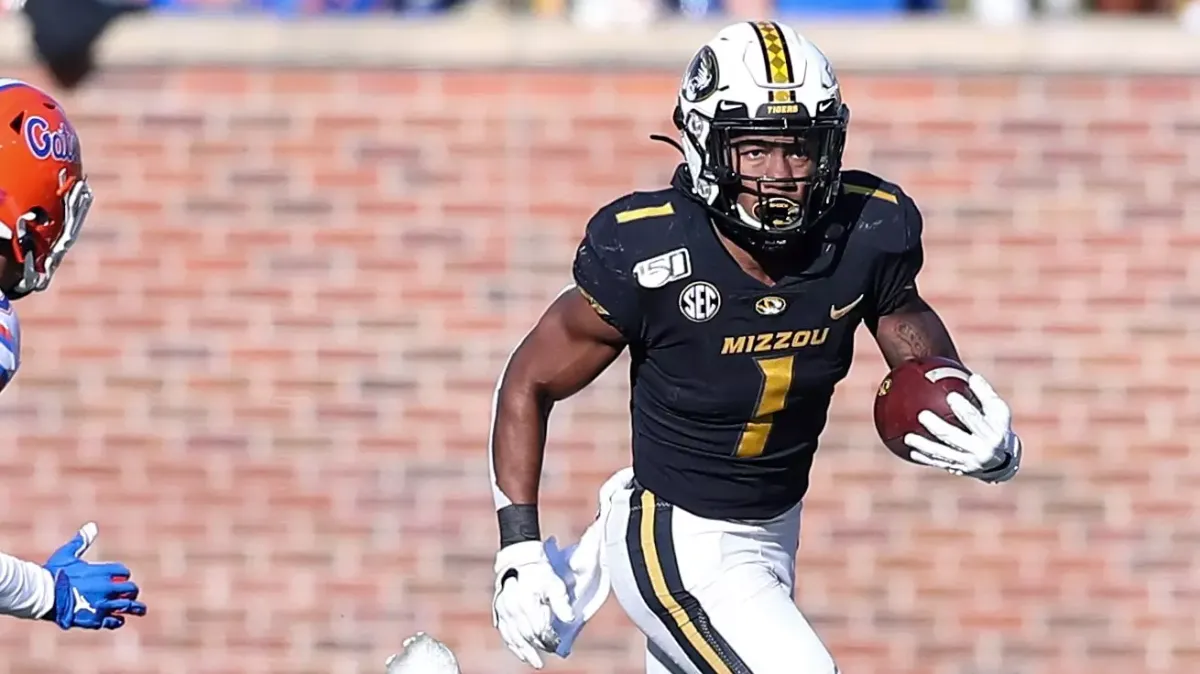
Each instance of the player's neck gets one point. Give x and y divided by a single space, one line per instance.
762 267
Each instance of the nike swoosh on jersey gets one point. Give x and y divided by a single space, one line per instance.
835 313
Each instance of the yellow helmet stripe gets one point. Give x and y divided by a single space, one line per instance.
778 59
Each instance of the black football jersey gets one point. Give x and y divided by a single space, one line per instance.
731 378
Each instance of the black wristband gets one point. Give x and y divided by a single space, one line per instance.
518 523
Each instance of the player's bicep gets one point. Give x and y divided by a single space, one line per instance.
568 348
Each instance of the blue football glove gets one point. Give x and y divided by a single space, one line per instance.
89 595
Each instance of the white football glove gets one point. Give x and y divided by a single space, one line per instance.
528 594
988 450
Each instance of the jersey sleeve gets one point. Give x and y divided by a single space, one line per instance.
605 278
896 275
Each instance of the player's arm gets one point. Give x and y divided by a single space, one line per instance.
26 588
580 335
912 330
68 590
903 324
906 327
568 348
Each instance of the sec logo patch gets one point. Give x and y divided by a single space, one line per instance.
699 301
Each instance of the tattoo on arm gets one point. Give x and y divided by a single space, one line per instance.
913 331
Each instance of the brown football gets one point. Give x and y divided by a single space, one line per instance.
911 387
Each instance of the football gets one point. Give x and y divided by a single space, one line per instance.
913 386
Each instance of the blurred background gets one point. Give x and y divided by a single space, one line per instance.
266 370
599 12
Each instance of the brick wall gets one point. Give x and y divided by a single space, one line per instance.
266 370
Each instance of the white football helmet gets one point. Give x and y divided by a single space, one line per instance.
761 79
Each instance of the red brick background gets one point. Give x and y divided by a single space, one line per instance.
266 370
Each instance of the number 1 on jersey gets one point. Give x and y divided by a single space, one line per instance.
772 397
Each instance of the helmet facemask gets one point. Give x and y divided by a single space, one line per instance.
40 240
783 207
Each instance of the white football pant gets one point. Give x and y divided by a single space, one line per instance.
712 597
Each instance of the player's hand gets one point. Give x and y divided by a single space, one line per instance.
10 342
987 450
528 594
90 595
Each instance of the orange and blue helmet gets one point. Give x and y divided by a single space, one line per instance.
44 195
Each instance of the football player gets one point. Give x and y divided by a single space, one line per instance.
737 290
44 198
